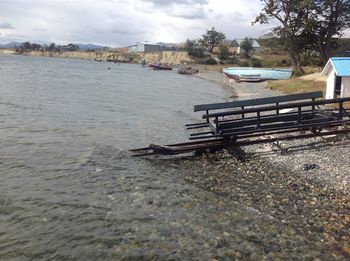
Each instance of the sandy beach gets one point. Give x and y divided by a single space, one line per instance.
302 185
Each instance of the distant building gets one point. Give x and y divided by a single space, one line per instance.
235 46
338 82
144 48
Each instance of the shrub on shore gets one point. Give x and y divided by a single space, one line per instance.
243 63
255 62
211 61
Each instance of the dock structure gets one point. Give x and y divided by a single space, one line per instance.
255 121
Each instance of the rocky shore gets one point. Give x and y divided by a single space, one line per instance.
303 186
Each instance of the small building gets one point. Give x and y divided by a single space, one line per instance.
140 47
338 82
235 46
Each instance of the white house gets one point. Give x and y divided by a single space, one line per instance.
338 81
144 48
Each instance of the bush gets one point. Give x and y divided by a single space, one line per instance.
211 61
197 52
194 49
313 61
243 63
224 52
274 60
284 62
232 60
255 63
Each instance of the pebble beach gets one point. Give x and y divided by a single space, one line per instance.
301 185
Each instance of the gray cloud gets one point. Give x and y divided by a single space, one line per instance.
39 29
6 25
187 9
123 22
193 13
163 3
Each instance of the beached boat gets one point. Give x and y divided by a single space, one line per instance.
187 70
251 74
160 66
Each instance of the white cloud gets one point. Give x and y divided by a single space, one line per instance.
123 22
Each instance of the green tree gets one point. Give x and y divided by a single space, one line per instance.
247 46
211 39
330 19
291 16
26 46
224 53
35 47
307 25
73 47
52 47
193 48
270 40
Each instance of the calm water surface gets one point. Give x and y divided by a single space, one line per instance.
68 187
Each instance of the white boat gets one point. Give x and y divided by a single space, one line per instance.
251 74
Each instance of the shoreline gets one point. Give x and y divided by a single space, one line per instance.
258 90
285 215
313 203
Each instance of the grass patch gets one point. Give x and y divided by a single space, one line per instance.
274 60
311 69
296 85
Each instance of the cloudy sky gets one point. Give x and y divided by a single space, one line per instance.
124 22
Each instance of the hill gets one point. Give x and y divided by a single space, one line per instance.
11 45
82 47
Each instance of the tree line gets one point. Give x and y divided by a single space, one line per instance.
212 39
27 46
303 27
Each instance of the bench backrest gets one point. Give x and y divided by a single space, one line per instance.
260 101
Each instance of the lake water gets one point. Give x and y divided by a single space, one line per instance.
68 187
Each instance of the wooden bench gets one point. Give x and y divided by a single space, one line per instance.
296 111
276 100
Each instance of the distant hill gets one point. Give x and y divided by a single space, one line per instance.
82 47
11 45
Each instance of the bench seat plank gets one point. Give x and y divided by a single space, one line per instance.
258 101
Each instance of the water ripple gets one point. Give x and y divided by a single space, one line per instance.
68 187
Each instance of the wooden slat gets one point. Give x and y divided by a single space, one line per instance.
259 101
284 126
275 107
263 120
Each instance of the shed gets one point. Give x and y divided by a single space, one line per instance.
338 82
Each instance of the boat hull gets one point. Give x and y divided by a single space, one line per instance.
250 74
188 70
160 67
